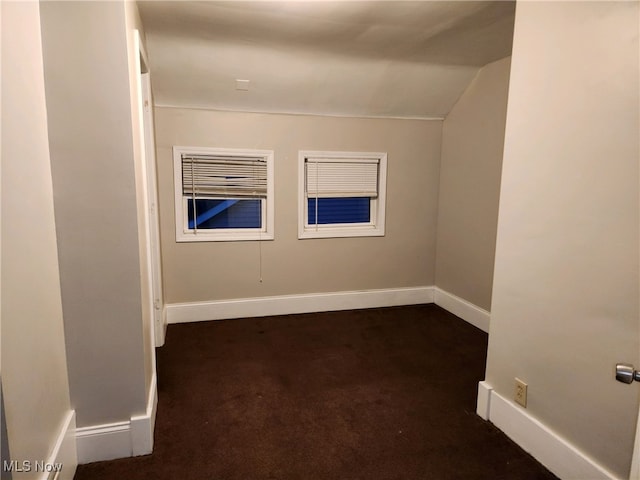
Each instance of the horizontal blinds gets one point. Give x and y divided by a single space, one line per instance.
224 176
344 178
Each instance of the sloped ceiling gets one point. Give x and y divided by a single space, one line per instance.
362 58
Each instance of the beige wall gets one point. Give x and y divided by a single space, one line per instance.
565 295
92 155
471 165
34 371
404 257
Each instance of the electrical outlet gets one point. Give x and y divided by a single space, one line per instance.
520 394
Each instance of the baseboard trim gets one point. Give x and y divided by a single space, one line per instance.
64 453
483 407
142 426
120 439
549 448
104 442
469 312
290 304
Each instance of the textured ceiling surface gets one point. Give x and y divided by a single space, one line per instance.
390 58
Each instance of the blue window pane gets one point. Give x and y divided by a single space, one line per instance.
214 214
339 210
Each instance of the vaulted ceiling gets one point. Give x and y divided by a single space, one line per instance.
368 58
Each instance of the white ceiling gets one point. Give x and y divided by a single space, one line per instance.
363 58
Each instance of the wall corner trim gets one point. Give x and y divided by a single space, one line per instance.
161 330
119 439
142 426
554 452
483 406
64 454
291 304
473 314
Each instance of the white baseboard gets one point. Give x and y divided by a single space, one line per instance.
142 426
467 311
483 406
104 442
120 439
290 304
546 446
64 457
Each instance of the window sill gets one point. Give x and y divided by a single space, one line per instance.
341 232
223 237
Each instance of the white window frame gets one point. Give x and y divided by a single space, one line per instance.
184 234
376 226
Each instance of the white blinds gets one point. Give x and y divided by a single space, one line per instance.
341 178
224 176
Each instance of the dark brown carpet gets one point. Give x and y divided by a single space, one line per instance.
373 394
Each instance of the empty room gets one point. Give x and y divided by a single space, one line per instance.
320 240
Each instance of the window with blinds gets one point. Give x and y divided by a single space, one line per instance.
223 194
341 194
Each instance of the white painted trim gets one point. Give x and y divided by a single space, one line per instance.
289 304
120 439
483 406
635 458
104 442
146 200
149 163
142 426
226 235
64 451
549 448
467 311
304 114
161 335
376 227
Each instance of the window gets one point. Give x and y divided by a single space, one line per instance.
223 194
341 194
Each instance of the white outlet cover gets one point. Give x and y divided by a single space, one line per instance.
520 392
242 84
